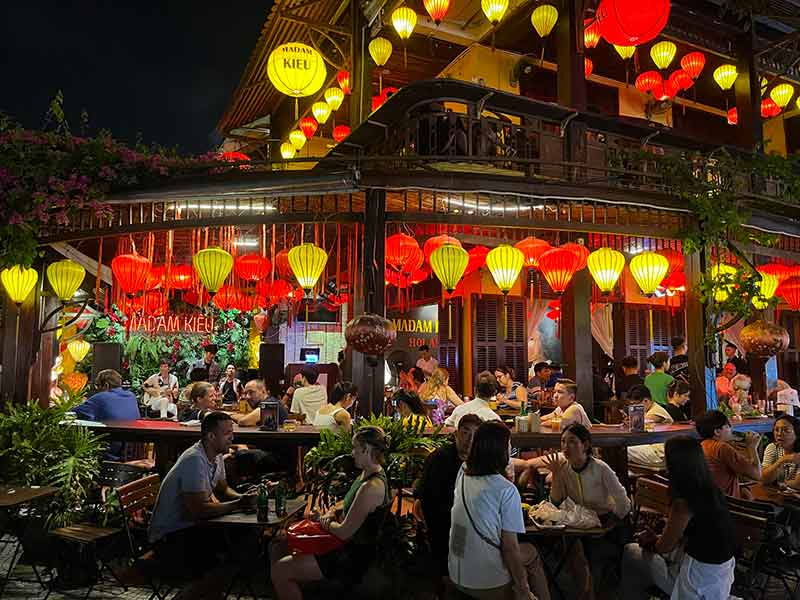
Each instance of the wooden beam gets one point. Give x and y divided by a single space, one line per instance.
86 262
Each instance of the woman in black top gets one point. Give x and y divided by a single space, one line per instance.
699 517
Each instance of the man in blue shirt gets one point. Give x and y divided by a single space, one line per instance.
111 403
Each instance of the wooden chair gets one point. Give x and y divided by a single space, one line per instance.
652 494
750 535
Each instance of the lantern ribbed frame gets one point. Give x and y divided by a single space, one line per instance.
321 111
681 79
65 277
437 241
649 269
693 63
78 349
437 9
131 271
449 262
605 265
769 108
252 267
766 290
494 10
334 96
296 82
181 277
228 297
558 266
588 67
380 49
307 262
627 22
404 19
782 94
340 133
297 139
544 18
532 248
591 33
779 270
212 265
625 52
663 53
505 262
287 151
648 81
725 76
19 282
282 265
308 125
156 277
401 251
789 290
720 271
343 79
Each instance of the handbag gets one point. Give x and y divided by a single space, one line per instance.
308 537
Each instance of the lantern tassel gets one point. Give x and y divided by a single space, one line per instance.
405 57
380 81
650 318
449 319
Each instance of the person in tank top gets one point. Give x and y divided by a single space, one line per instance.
335 415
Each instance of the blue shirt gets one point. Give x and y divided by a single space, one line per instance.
112 405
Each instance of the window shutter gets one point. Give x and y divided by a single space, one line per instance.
637 331
449 342
490 347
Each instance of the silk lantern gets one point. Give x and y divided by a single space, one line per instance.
401 250
213 265
543 19
719 273
227 298
340 133
725 76
675 259
296 70
494 10
505 262
477 258
782 94
321 111
625 52
343 79
532 248
65 277
156 278
733 116
449 262
404 19
437 241
297 139
181 277
437 9
132 271
766 290
307 262
334 96
287 151
78 349
308 125
370 334
558 266
19 282
662 53
693 63
588 67
649 269
629 22
681 79
605 265
252 267
769 109
591 33
648 81
789 290
282 264
779 270
579 250
380 49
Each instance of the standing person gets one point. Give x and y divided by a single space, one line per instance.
230 388
426 361
723 383
159 385
699 517
782 456
732 356
335 415
208 364
486 561
567 409
630 377
485 390
658 381
678 405
679 363
511 393
724 462
309 396
111 403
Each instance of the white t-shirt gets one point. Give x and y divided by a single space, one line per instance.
573 414
478 406
495 506
658 414
308 400
164 385
427 366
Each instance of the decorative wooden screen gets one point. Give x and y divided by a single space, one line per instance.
449 342
492 343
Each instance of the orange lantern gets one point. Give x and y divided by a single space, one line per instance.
156 277
340 133
437 241
402 252
769 108
733 116
779 270
648 81
789 290
477 259
181 277
252 267
131 271
591 33
343 79
532 248
632 22
282 265
558 266
580 250
228 298
681 79
308 125
693 64
588 67
437 9
675 259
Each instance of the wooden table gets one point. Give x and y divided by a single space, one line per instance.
250 519
16 495
773 495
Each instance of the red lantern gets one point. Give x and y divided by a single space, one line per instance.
234 157
789 290
308 125
779 270
693 64
554 315
343 79
377 102
558 266
401 281
340 132
769 108
437 9
192 297
477 258
591 33
181 277
681 80
370 334
733 116
155 304
228 298
532 248
296 295
675 258
156 277
401 252
252 267
648 81
674 282
262 321
588 67
632 22
132 272
580 250
666 92
436 242
282 265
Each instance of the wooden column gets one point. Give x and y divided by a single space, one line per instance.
701 376
747 90
360 67
620 337
576 337
568 36
19 351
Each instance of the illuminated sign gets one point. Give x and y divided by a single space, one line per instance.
184 323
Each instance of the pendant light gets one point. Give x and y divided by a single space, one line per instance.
558 266
605 265
693 63
649 269
19 282
662 53
334 96
404 19
343 79
213 265
782 94
544 18
625 51
505 262
307 262
721 272
298 139
725 76
287 151
308 125
78 349
766 289
380 49
321 111
65 277
437 9
132 272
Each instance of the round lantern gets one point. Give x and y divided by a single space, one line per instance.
282 264
662 54
477 258
296 70
234 157
494 10
648 81
340 133
65 277
308 125
681 79
297 139
733 116
181 277
213 265
719 272
544 18
437 9
668 91
438 241
725 76
766 290
579 250
413 262
693 64
588 67
649 270
287 151
370 334
78 349
558 266
192 297
505 262
75 381
261 319
227 298
591 33
156 277
334 96
402 281
449 262
380 49
625 52
404 20
675 259
252 267
674 282
763 339
132 271
532 248
154 303
628 22
769 109
343 79
401 251
606 266
782 94
321 111
779 270
789 290
307 262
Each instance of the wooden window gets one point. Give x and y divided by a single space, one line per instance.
637 331
492 343
449 337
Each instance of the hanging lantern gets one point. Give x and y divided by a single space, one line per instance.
719 273
192 297
154 303
625 51
132 271
156 278
308 125
558 266
648 81
65 277
662 54
252 267
789 290
413 262
544 18
380 49
307 262
606 266
181 277
234 157
766 290
681 80
667 92
779 270
693 64
782 94
321 111
649 270
282 264
579 250
296 70
588 67
438 241
334 96
404 19
769 109
494 10
370 334
261 320
532 248
228 298
449 262
213 265
505 262
733 116
673 283
591 33
75 381
19 282
340 133
298 139
343 79
477 259
287 151
402 281
675 259
78 349
725 76
400 250
437 9
627 22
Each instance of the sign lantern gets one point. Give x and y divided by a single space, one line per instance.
296 70
632 22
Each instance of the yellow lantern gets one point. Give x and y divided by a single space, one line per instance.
19 282
725 76
321 111
78 349
782 94
298 139
505 262
449 262
334 96
625 51
296 70
65 277
213 266
380 49
722 271
307 262
662 53
606 266
404 19
649 270
544 18
287 150
766 290
494 10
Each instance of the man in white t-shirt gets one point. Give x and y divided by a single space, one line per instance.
426 362
161 384
485 389
567 409
310 396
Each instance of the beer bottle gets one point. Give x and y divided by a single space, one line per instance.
263 504
280 499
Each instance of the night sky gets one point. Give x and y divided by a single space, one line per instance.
162 68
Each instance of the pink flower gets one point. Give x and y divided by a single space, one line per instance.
229 325
230 347
111 330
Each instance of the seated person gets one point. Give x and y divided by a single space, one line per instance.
510 393
567 409
335 415
412 411
740 398
485 390
357 520
723 383
195 375
230 388
678 401
159 385
255 392
724 461
653 412
782 456
111 403
201 402
309 396
438 395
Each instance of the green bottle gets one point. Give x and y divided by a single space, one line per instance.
280 499
263 504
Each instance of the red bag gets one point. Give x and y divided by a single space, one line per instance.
307 537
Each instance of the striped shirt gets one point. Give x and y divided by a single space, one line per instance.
772 454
